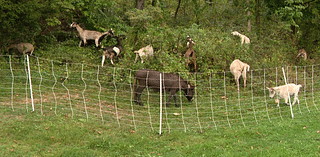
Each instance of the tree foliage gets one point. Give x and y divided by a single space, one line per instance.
280 29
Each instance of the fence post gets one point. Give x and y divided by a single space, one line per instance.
30 83
160 105
12 82
285 80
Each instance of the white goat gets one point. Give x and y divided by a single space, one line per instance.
282 92
144 52
302 53
244 39
91 35
239 68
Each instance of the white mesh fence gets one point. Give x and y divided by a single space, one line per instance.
93 93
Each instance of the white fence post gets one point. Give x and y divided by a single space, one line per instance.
160 105
30 83
285 80
12 83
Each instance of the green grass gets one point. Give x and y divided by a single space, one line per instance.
31 134
52 130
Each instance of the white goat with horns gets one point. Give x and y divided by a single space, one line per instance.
239 68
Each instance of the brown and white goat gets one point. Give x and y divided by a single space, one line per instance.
144 52
239 68
91 35
23 48
114 50
244 39
302 53
284 92
191 53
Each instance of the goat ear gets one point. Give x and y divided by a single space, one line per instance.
189 86
268 88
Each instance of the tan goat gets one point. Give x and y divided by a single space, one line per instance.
23 48
302 53
282 92
239 68
144 52
244 39
91 35
191 53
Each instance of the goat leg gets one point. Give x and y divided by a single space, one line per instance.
135 61
80 43
103 59
237 82
97 42
169 99
245 81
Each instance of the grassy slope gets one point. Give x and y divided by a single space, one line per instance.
30 134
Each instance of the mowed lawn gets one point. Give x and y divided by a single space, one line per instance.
32 134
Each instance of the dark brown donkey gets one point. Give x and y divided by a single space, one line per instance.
171 83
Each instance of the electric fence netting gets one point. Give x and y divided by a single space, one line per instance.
94 93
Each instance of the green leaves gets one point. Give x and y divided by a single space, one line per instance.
291 11
141 19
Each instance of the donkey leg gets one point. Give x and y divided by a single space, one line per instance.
175 99
137 95
172 93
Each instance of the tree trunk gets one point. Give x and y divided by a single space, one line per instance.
210 2
249 20
257 13
140 4
154 3
176 13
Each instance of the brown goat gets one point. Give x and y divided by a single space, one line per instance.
91 35
302 53
191 53
23 48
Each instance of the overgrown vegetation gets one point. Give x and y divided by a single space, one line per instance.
277 30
